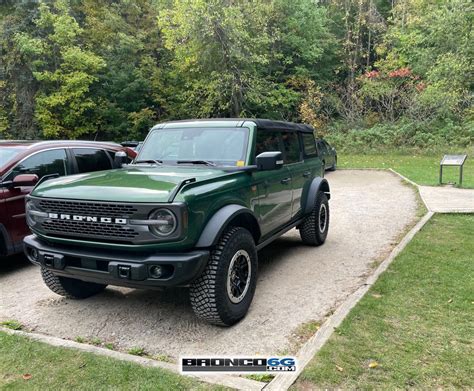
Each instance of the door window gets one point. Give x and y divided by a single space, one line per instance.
291 147
309 145
43 163
267 141
90 159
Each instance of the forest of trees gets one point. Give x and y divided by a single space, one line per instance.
389 71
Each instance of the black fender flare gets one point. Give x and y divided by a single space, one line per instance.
221 219
317 184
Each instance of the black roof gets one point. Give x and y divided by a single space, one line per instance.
267 124
282 125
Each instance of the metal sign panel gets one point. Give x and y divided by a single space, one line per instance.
453 160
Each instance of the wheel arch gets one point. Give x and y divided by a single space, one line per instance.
318 184
227 216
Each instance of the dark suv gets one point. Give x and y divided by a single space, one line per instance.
23 163
192 210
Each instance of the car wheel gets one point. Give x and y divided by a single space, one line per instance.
70 287
223 293
315 226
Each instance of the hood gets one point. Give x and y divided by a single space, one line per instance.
130 184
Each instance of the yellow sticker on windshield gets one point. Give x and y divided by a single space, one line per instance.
240 163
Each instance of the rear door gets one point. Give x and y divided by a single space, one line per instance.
293 158
274 186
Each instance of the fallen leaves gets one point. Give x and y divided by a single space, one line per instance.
340 369
373 364
27 376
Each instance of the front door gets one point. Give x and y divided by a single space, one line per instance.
274 186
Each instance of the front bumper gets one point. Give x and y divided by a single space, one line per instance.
116 267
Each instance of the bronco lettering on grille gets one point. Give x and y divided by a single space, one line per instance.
89 219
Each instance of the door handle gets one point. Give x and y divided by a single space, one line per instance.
307 174
285 181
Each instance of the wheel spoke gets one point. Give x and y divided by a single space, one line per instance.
238 278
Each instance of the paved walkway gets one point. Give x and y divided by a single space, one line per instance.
448 199
445 199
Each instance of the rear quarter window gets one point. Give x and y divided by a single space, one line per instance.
309 144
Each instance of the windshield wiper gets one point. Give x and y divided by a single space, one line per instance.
205 162
151 161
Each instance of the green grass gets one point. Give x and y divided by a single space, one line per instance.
421 169
27 364
11 324
415 323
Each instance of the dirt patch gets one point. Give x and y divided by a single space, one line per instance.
297 284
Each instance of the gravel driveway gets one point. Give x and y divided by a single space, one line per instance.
297 284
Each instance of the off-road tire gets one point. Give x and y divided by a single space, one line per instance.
209 298
70 287
310 229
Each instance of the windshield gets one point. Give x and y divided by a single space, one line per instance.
219 146
8 153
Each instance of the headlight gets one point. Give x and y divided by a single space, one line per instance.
163 222
29 216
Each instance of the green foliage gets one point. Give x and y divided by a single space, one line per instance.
403 134
107 69
65 70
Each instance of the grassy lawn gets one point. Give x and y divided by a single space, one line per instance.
26 364
421 169
413 329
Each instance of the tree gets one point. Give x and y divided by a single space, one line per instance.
17 84
65 69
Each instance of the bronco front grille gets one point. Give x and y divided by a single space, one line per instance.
88 229
98 221
89 208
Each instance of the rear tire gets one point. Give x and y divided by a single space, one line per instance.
223 293
70 287
315 226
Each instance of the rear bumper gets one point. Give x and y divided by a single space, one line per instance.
116 268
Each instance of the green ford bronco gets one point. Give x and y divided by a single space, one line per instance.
193 208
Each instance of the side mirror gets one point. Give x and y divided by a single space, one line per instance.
120 159
25 180
269 161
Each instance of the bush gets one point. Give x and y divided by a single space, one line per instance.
404 134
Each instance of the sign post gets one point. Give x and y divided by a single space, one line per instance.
452 160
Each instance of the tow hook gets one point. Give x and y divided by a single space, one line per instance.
124 272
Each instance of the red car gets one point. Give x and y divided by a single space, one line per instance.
23 163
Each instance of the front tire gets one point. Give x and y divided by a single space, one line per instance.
223 293
315 226
70 287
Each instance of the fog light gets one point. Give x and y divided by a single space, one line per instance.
156 271
34 254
